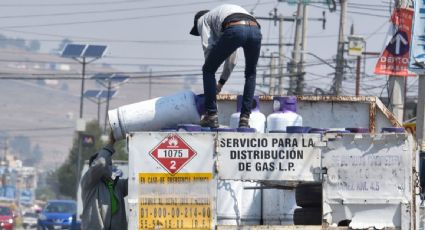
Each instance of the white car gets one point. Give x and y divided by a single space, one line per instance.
29 220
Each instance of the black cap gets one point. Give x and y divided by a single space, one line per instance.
194 31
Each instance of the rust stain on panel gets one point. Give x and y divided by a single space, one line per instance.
365 99
372 117
226 97
388 114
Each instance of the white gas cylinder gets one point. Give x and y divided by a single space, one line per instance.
284 114
257 119
279 204
151 115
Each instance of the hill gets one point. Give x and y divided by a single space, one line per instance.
44 105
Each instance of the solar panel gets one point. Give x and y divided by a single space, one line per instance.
92 93
73 50
95 51
104 94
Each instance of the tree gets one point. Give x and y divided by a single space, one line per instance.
3 41
34 46
64 43
21 145
66 174
18 42
33 158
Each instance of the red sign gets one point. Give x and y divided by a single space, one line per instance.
395 58
172 153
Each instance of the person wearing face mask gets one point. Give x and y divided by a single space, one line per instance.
103 192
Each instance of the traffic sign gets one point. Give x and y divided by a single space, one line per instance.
399 44
355 45
394 59
172 153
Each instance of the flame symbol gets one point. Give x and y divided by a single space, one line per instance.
173 141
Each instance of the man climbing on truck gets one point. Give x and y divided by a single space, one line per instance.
223 30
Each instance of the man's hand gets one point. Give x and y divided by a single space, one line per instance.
219 87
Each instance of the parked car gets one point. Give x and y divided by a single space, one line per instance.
57 214
29 220
6 218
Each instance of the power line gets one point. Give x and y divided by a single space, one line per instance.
104 11
71 4
37 129
104 20
108 20
354 12
97 20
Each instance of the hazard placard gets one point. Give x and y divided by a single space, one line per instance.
172 153
171 180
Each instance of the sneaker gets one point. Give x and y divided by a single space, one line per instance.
209 120
244 122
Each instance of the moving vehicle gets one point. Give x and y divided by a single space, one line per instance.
57 214
29 220
6 218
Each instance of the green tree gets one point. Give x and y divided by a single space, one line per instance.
21 145
18 42
34 157
66 173
63 43
34 45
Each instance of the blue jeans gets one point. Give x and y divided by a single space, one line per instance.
247 37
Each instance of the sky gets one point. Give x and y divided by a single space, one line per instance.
144 35
152 36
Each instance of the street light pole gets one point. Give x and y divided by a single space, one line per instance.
77 173
98 110
107 104
83 75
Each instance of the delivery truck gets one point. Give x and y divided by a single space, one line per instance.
349 166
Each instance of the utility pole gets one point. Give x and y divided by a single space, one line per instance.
396 94
272 87
281 19
300 65
281 58
281 44
396 88
293 70
339 70
359 59
420 124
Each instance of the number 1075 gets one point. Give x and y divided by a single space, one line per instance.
173 153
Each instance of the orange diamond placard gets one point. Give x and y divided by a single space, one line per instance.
173 153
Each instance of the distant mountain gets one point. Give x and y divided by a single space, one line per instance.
45 110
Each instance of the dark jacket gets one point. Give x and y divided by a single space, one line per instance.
96 197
